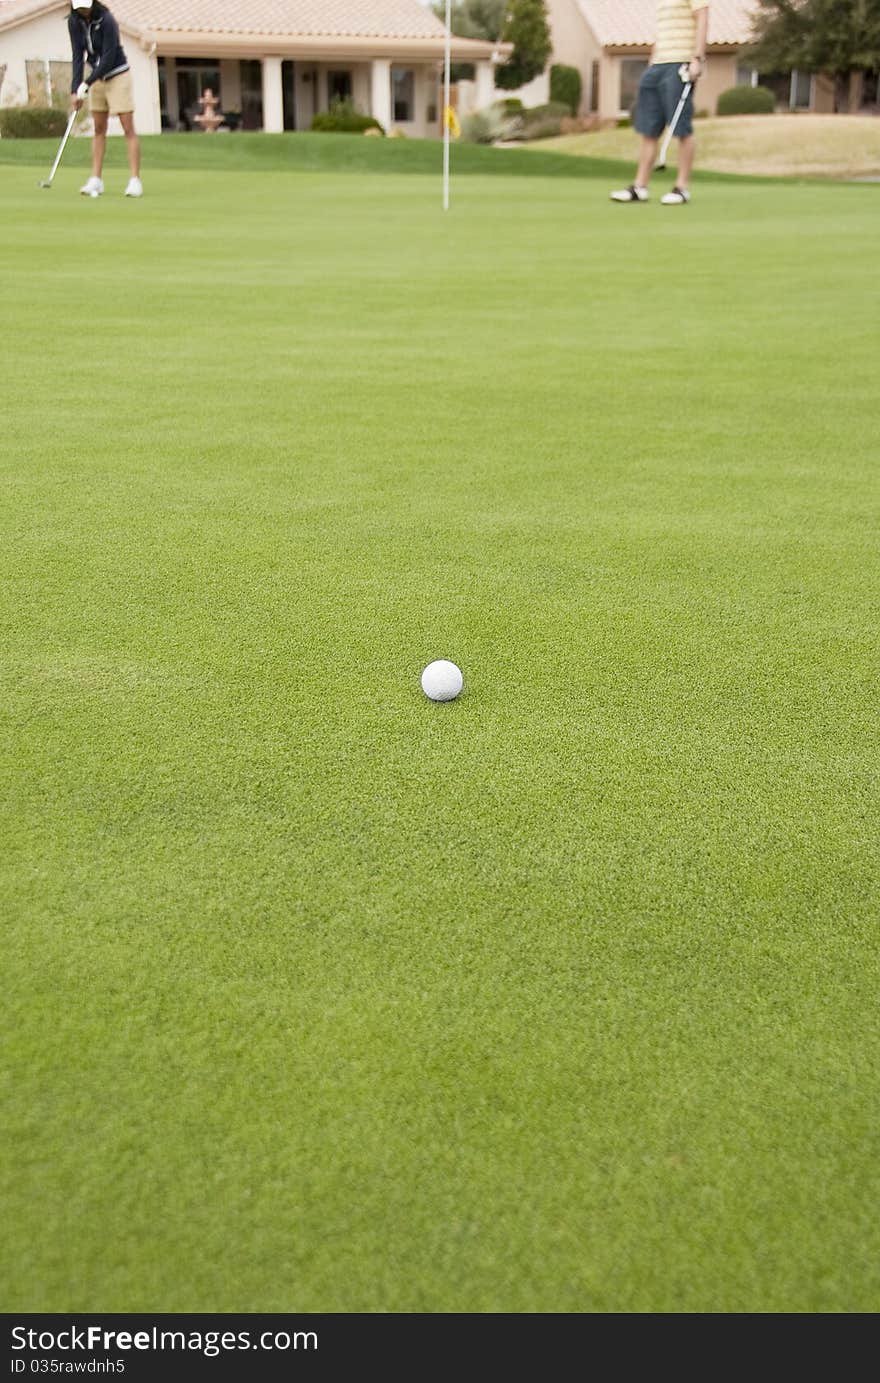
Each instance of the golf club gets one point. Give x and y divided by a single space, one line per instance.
688 87
47 182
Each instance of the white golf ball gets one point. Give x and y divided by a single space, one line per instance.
93 194
442 680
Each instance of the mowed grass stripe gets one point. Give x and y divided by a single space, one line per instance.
558 998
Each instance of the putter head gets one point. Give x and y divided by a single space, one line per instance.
45 182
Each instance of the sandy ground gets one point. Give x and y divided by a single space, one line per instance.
833 146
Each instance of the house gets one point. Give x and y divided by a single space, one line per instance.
610 42
275 63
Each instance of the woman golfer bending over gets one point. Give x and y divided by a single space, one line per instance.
94 37
682 27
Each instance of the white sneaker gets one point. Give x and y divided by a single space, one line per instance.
93 188
677 197
633 193
135 188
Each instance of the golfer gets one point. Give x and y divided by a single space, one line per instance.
682 27
94 38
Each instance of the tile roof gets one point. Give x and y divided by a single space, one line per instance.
621 22
405 19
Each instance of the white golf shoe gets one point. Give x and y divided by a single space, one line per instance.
93 188
677 197
135 188
633 193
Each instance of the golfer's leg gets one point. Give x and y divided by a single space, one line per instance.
687 148
647 159
99 142
132 144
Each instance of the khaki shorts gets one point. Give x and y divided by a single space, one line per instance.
115 95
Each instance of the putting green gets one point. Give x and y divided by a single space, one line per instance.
319 996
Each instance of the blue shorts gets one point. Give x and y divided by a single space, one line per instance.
659 93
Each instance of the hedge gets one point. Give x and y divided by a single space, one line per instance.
543 122
746 100
343 118
566 87
32 122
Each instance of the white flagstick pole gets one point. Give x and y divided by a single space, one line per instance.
446 65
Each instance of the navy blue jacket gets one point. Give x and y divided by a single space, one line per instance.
97 39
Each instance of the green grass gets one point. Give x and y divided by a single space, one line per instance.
562 997
310 153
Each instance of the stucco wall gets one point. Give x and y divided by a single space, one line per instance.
719 76
43 38
46 39
574 43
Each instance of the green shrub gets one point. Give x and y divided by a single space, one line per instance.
746 100
511 105
542 122
32 122
487 126
553 109
546 128
344 118
566 87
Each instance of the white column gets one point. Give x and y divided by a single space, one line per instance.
273 97
485 93
155 102
380 92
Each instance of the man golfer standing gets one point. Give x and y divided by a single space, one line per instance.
682 27
94 37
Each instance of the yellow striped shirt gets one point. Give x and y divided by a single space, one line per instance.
676 29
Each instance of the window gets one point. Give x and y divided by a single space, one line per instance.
48 83
37 70
60 77
594 86
746 76
801 89
251 76
631 70
288 94
194 76
339 87
403 82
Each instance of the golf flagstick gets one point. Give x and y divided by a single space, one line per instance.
447 55
48 181
673 124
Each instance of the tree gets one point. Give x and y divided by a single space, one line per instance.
833 36
475 18
528 30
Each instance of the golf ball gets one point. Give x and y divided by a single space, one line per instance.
93 194
442 680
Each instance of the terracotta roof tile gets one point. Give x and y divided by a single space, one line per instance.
315 18
621 22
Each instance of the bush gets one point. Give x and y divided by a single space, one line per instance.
746 100
554 109
546 128
32 122
566 87
511 105
542 122
344 118
487 126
